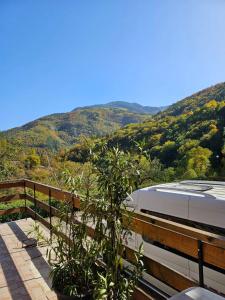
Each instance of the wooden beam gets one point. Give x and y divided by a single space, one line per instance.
12 211
11 184
163 273
139 294
9 198
55 192
199 234
214 255
43 205
175 240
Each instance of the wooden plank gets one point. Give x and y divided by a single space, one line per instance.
39 203
214 255
11 184
55 192
10 211
9 198
55 212
169 238
30 212
199 234
43 205
139 294
163 273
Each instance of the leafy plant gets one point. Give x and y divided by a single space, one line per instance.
117 175
71 254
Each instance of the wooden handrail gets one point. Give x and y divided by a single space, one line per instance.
11 184
181 238
55 192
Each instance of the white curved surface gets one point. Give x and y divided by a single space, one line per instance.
196 293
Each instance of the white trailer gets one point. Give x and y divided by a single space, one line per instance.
196 203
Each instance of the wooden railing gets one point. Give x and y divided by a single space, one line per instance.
205 248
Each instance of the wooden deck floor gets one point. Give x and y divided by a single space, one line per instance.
24 272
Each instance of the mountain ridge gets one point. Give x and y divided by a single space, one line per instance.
130 106
64 129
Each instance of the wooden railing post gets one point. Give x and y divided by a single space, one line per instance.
25 197
200 264
35 203
50 211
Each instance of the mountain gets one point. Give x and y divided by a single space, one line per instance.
63 129
197 100
131 107
188 136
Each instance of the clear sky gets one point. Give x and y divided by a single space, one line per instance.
56 55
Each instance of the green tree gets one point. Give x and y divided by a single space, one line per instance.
198 160
32 160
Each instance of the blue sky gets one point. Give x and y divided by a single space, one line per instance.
57 55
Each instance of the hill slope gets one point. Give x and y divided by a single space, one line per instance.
197 100
188 136
58 130
131 107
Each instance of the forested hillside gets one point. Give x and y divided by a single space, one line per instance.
188 137
61 130
185 141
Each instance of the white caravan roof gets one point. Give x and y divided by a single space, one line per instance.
216 189
197 293
195 200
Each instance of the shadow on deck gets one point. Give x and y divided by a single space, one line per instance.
24 272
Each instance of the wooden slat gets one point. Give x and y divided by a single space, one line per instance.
39 203
43 205
139 294
9 198
177 241
214 255
11 184
30 212
199 234
12 211
55 192
163 273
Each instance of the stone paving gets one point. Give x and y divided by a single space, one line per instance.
24 271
